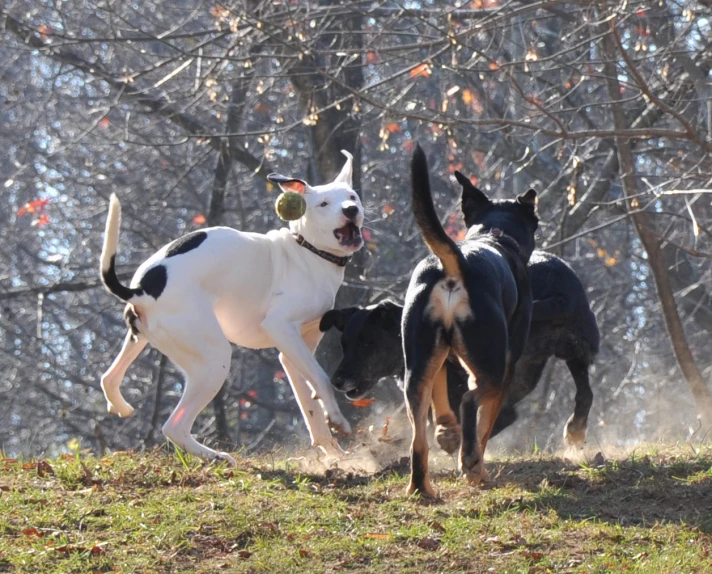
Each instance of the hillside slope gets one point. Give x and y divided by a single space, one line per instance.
159 512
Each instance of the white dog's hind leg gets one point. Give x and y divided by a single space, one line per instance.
203 354
288 339
111 380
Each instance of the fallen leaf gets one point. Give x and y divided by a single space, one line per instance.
68 549
361 403
303 553
104 123
377 536
388 209
421 70
244 554
435 525
199 219
32 531
98 549
429 544
43 468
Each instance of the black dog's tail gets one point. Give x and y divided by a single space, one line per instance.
439 242
108 254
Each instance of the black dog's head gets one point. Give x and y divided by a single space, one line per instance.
371 345
515 217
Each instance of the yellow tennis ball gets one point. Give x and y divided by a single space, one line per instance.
290 206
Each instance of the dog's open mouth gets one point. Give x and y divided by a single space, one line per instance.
349 235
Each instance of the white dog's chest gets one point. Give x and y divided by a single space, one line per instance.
242 323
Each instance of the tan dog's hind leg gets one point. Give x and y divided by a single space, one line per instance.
447 429
419 395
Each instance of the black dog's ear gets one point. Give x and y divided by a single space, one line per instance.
529 199
336 318
473 199
390 314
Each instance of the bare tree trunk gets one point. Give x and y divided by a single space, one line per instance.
157 397
644 225
216 213
334 130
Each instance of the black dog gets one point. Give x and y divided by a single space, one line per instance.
473 300
562 326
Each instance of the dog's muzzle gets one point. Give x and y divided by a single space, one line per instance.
354 389
349 235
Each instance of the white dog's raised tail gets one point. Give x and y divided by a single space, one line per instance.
108 252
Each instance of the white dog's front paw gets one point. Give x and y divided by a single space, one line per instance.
124 410
331 449
338 424
223 456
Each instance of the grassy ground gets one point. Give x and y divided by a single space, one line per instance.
158 512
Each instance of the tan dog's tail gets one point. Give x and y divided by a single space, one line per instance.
108 253
439 242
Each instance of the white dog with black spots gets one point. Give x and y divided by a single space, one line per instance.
213 287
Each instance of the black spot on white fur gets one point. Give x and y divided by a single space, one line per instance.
186 243
112 283
154 281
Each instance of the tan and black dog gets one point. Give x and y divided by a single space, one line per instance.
563 326
472 299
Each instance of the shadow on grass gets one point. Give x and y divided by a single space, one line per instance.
629 492
335 477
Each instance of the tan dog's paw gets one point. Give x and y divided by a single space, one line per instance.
473 467
425 491
574 432
447 433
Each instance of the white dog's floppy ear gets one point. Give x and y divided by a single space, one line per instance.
346 175
288 183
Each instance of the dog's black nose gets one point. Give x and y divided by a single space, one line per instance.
351 211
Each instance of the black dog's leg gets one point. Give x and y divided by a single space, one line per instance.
507 416
526 377
575 431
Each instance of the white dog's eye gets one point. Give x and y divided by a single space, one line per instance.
323 204
353 198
